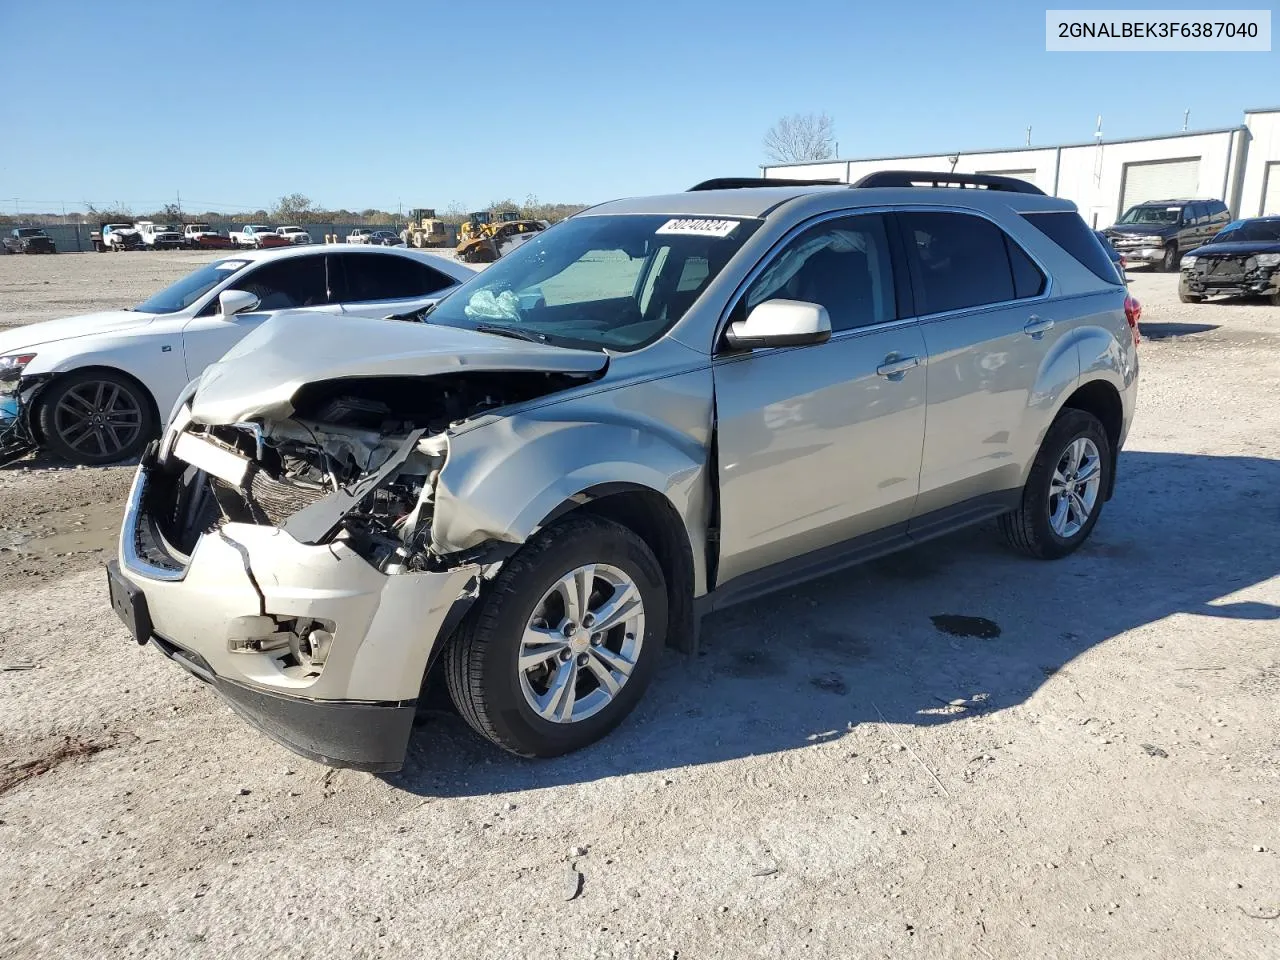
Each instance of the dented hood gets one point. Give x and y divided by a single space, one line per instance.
260 375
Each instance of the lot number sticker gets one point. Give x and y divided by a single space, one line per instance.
699 227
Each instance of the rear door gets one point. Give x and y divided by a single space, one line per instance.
377 282
287 283
821 444
987 326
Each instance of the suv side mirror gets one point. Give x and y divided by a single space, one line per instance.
231 302
780 323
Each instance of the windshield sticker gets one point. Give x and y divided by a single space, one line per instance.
230 264
697 227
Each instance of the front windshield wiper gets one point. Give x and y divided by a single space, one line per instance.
512 332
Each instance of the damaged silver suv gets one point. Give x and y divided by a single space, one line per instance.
657 408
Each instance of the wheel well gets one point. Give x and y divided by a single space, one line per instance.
654 520
1103 401
38 400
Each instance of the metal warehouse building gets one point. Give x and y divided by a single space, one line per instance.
1240 165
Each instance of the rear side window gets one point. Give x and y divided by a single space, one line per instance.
1028 281
961 261
376 276
1068 231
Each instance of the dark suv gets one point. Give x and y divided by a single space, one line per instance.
1161 231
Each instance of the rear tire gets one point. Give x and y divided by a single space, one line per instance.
493 670
96 417
1058 512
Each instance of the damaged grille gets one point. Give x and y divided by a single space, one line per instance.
1224 268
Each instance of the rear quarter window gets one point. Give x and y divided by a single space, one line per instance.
1070 232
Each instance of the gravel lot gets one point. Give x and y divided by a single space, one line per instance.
837 775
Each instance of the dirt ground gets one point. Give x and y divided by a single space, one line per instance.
853 768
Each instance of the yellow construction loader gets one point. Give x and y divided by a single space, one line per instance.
497 239
426 230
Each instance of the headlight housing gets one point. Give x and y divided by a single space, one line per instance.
1264 260
1188 262
11 368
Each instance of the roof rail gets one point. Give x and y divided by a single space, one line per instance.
738 183
917 178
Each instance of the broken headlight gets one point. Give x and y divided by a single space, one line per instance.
11 368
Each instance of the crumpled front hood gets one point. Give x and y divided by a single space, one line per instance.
85 325
260 375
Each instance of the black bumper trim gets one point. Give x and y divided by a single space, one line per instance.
360 735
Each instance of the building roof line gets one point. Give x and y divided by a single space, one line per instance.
1024 149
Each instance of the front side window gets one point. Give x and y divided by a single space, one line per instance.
180 295
842 264
960 261
288 284
610 281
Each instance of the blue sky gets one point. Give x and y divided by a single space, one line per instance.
385 102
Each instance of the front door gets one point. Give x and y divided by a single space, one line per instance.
821 444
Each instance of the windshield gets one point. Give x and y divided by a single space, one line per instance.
259 228
616 282
200 227
30 232
1156 215
1250 231
192 287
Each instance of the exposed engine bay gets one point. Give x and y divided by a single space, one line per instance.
357 462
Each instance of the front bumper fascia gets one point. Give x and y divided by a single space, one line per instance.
387 629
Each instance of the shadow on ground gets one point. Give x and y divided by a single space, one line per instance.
1163 331
811 663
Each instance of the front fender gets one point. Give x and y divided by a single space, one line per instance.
504 479
162 371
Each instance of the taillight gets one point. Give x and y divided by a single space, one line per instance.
1133 313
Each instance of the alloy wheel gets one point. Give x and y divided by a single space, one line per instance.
1074 487
98 418
581 644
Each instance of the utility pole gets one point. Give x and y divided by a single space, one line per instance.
1186 118
1028 136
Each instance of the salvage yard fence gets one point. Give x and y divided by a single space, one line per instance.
72 237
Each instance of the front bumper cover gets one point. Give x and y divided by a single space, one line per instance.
242 579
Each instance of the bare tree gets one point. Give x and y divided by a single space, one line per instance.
800 137
294 208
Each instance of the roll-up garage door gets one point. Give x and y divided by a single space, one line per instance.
1159 180
1027 175
1271 190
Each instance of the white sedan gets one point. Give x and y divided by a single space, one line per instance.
95 389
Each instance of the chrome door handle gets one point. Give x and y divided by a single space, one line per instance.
895 367
1037 328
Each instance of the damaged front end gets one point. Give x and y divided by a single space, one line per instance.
17 436
290 561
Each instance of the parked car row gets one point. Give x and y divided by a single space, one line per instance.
377 238
146 235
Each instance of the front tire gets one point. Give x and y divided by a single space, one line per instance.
1063 496
1170 262
1189 297
96 417
563 642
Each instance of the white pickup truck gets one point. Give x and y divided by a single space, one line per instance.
258 235
294 235
158 236
359 235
